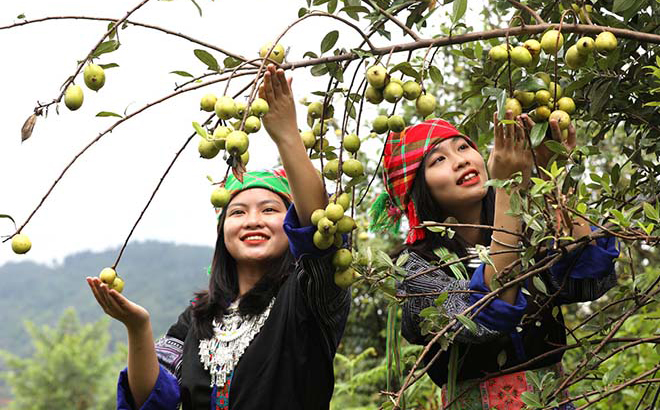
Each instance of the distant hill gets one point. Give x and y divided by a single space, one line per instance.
159 276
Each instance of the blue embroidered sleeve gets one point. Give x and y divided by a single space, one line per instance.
164 396
585 274
301 237
498 314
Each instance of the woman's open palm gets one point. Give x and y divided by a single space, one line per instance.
117 306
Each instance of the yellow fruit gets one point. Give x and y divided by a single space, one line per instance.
585 45
73 97
245 158
208 149
331 169
549 41
208 102
606 42
533 46
107 276
220 197
373 95
393 92
498 53
352 143
94 77
573 58
225 107
541 113
308 138
240 110
552 90
342 259
334 212
542 97
259 107
379 125
566 104
377 76
20 244
326 226
562 117
117 284
252 124
514 106
316 216
323 241
345 278
237 142
352 167
276 55
411 90
345 224
521 56
526 98
425 105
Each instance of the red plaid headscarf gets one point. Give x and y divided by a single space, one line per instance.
403 155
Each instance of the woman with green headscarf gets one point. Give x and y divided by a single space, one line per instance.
264 333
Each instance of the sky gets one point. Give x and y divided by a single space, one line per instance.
97 201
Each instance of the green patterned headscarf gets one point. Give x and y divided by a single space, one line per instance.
274 180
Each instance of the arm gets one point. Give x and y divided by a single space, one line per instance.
143 368
280 122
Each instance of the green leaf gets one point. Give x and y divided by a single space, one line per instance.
402 259
555 147
199 9
231 62
501 358
354 9
441 299
582 207
8 217
622 5
20 16
200 131
108 114
458 10
468 323
538 284
531 83
651 212
206 58
332 6
531 399
436 75
310 54
406 69
109 65
538 133
105 47
319 70
181 73
329 41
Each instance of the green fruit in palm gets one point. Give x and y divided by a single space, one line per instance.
118 285
276 55
208 102
533 46
345 278
393 92
396 123
552 41
345 224
585 45
379 125
334 212
425 105
237 142
225 107
252 124
377 76
514 106
606 42
526 98
566 104
220 197
498 54
352 167
521 57
562 117
326 226
573 58
342 259
73 97
411 90
373 95
316 216
351 143
542 97
208 149
322 241
259 107
94 77
107 276
308 138
331 169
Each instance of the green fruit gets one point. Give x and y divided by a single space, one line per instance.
521 56
107 276
573 58
208 102
556 94
245 158
240 110
20 244
379 125
334 212
318 130
542 97
237 142
498 53
562 117
351 143
220 197
345 224
276 55
323 241
331 169
225 107
344 200
352 167
252 124
377 76
308 138
514 106
395 80
315 109
326 226
425 105
566 104
73 97
606 42
321 144
533 46
411 90
526 98
259 107
94 77
585 45
541 113
393 92
345 278
316 216
207 149
549 41
339 240
342 259
396 123
220 135
373 95
117 284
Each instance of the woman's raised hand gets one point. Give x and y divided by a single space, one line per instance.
511 151
280 122
543 154
116 305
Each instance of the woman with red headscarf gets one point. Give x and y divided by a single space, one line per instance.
433 172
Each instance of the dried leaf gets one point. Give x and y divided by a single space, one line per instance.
28 126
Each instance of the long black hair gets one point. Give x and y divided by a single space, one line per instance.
429 210
223 285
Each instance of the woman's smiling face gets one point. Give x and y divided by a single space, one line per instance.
455 174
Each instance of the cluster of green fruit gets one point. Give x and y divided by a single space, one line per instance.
20 244
382 86
94 77
109 277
